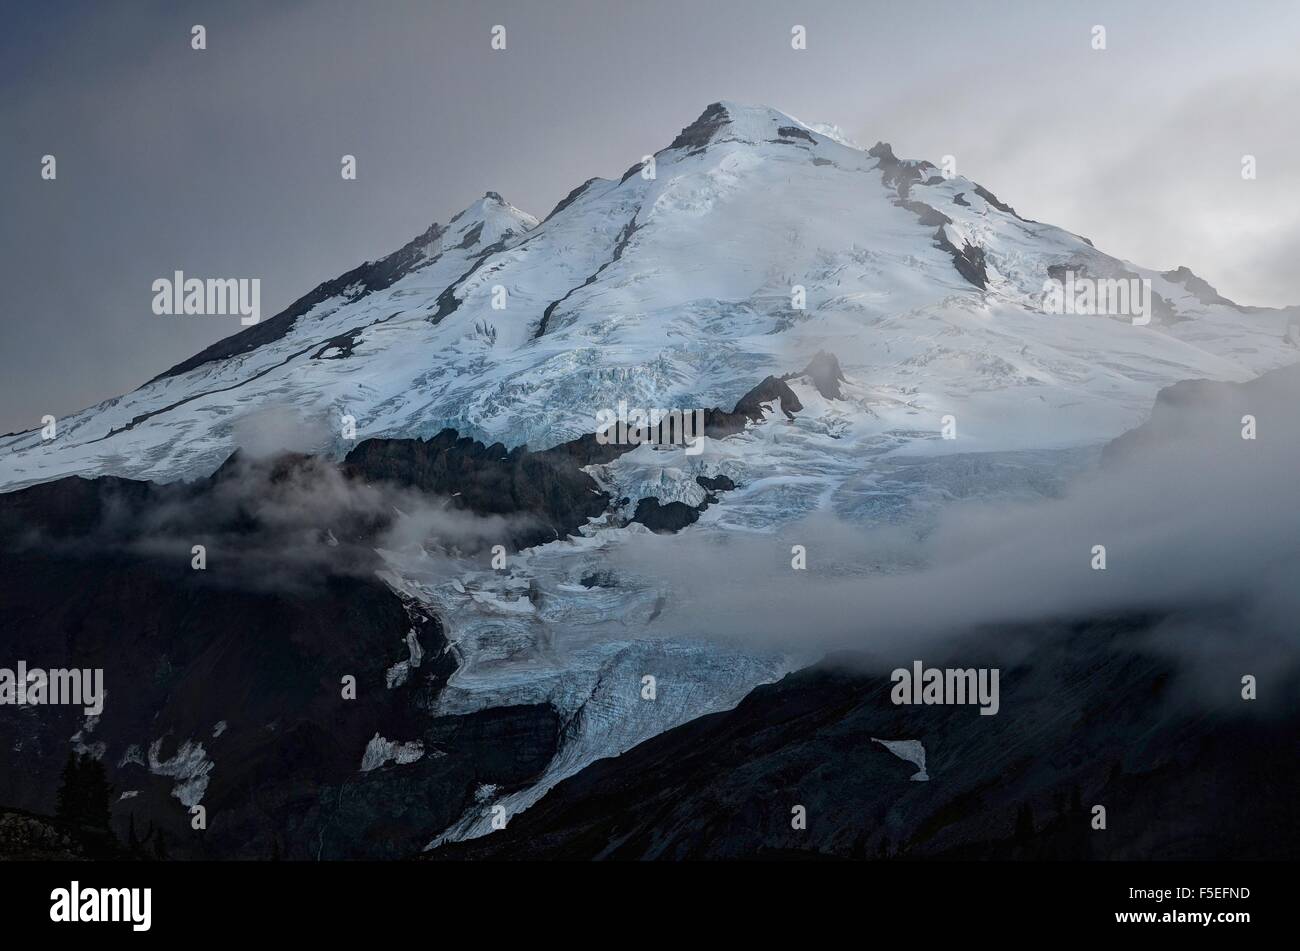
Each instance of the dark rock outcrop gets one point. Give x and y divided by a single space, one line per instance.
793 132
1002 206
666 518
772 389
1161 310
577 193
700 132
1206 414
824 371
968 259
1199 288
547 490
895 172
928 215
901 176
719 483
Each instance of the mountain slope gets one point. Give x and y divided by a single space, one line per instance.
677 291
923 299
1139 703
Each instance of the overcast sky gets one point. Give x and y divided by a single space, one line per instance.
225 162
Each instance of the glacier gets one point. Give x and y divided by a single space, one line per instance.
676 289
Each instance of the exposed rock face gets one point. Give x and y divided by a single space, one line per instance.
700 132
548 488
676 515
792 132
993 200
901 176
750 407
574 195
672 517
968 259
1161 309
897 174
1197 412
824 371
1200 288
719 483
471 237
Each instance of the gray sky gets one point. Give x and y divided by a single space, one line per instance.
226 162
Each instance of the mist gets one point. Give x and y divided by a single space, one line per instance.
1198 524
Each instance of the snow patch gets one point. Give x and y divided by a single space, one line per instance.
399 672
910 751
380 751
190 767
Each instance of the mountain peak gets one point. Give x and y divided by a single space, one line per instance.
726 120
1196 285
700 132
672 288
487 221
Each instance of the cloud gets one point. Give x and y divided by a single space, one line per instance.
267 522
1199 525
271 430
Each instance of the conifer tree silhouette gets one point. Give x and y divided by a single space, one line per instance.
84 792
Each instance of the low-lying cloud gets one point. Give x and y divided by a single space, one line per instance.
1199 526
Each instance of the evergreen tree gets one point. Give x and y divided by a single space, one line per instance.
68 801
84 792
96 793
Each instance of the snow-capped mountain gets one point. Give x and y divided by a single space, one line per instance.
885 295
673 286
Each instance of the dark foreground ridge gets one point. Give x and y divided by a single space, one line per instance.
1084 720
233 677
